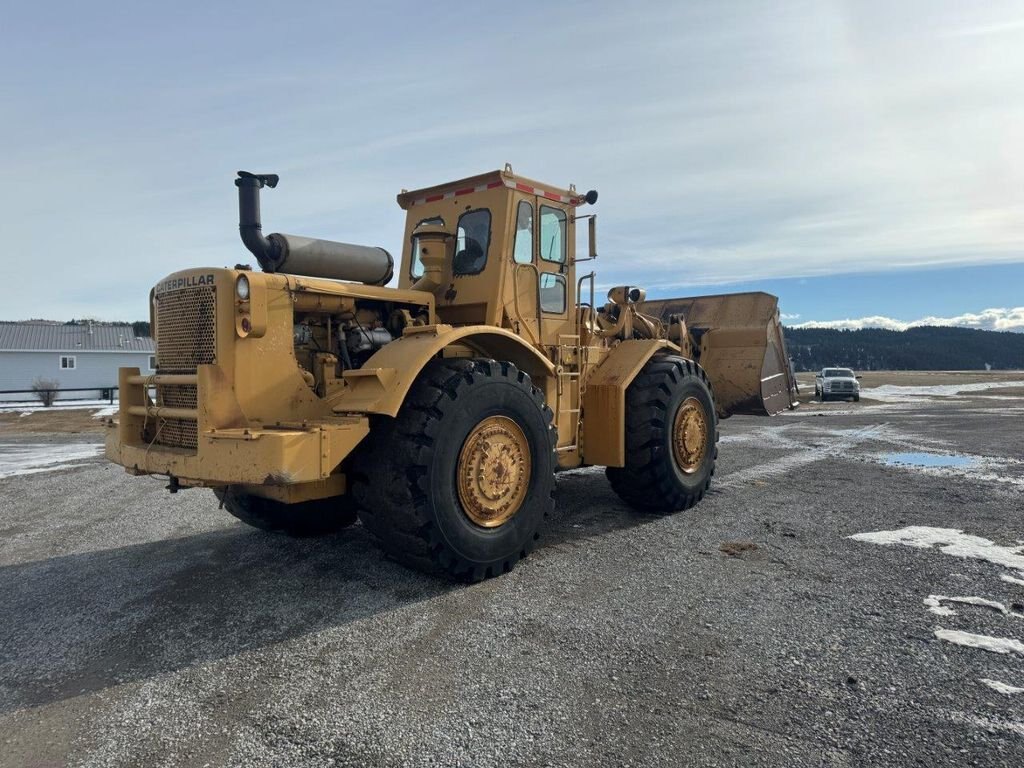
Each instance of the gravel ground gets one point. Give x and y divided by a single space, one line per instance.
141 628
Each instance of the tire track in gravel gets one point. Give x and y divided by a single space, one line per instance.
836 449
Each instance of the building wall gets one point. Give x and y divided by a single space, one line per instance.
92 369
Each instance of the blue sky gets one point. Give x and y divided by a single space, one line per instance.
860 159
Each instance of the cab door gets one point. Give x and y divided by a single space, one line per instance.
553 270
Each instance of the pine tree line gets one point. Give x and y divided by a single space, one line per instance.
927 348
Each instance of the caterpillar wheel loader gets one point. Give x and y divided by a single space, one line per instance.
310 394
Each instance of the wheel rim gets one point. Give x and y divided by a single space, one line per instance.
690 435
494 471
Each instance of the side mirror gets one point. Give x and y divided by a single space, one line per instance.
592 232
856 377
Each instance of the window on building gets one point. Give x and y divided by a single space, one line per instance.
415 264
152 362
522 250
67 362
552 234
552 293
471 242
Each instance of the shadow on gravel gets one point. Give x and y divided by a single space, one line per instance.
81 623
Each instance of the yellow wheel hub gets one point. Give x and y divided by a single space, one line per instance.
690 435
494 471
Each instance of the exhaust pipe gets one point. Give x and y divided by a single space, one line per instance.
303 255
249 225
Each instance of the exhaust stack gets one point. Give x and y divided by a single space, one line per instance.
303 255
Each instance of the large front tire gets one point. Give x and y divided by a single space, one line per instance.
305 518
671 437
462 478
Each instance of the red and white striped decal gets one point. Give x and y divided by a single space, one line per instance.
494 185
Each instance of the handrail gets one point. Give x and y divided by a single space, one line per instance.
579 289
165 379
164 412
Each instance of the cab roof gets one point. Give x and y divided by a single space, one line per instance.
483 182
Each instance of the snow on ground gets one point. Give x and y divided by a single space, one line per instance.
985 642
32 406
895 393
950 541
30 458
934 603
1003 688
953 541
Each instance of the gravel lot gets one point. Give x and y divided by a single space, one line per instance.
141 628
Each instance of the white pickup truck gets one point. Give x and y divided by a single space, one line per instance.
836 382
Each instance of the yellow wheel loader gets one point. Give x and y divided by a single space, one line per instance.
309 395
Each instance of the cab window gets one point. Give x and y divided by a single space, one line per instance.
522 250
416 266
471 242
552 293
552 234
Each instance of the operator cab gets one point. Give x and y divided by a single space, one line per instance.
495 249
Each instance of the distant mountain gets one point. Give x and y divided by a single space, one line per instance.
926 348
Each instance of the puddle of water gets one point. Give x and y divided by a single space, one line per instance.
928 460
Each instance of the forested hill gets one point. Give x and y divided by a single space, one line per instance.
928 348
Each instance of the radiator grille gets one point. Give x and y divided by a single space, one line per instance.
182 433
186 336
186 329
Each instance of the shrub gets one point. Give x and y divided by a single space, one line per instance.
46 390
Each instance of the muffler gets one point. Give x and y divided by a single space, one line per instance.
296 255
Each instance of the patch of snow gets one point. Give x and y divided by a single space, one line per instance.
33 406
934 603
895 393
31 458
950 541
103 413
984 642
938 610
1008 690
953 541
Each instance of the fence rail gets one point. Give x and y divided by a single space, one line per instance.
106 393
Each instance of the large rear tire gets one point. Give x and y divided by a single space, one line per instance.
306 518
671 437
462 478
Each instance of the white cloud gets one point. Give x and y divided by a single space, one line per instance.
729 141
785 316
995 319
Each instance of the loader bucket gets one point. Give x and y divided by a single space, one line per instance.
738 341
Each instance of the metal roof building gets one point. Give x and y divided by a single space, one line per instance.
84 357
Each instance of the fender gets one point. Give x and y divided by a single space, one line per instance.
382 384
604 399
